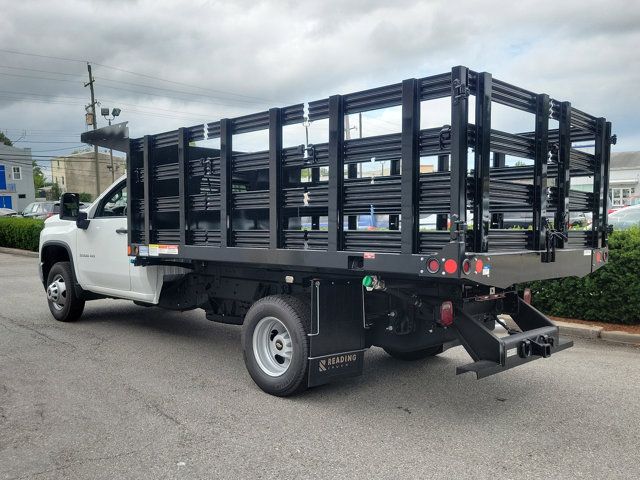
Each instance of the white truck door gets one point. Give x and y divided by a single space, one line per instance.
102 262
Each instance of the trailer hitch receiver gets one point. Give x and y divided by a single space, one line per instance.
540 346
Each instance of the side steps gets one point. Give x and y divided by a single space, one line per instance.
538 338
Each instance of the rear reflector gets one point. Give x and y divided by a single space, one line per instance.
598 256
433 265
446 314
526 296
466 266
479 266
450 266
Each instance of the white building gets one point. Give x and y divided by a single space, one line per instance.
624 178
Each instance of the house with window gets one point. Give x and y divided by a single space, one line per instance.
624 178
16 178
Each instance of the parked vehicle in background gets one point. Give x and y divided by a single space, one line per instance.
42 210
7 212
625 218
632 201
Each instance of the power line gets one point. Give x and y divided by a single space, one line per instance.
249 102
16 52
130 72
39 71
38 78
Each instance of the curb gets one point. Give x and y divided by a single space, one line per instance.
17 251
597 333
586 331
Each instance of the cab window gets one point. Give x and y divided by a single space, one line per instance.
115 204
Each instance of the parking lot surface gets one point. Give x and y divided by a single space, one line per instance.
134 392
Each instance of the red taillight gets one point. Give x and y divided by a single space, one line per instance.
466 266
450 266
446 314
526 296
433 265
479 266
598 256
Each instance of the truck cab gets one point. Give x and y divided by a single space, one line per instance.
87 257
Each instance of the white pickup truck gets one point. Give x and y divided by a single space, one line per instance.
80 264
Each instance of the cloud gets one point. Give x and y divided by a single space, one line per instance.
249 55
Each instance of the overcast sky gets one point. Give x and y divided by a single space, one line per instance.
170 64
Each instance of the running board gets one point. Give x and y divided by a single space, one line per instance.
538 338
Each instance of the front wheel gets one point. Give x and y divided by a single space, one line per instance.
414 354
275 344
64 305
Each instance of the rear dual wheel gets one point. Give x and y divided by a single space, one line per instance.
275 344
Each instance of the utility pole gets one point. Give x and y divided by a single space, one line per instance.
95 126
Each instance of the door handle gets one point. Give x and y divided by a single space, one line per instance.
121 231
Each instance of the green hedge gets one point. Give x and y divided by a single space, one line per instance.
18 232
611 294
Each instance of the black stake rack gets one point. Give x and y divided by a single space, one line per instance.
278 209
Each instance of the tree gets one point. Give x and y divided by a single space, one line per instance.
55 192
5 140
39 179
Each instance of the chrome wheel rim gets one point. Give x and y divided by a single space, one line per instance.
57 292
272 346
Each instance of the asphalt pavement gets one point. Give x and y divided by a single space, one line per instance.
134 392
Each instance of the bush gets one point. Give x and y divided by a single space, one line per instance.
611 294
18 232
86 197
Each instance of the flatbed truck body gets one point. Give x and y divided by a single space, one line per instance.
272 239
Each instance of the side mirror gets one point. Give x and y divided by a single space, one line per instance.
82 221
69 206
70 210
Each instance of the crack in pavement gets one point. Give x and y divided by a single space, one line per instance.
82 462
37 332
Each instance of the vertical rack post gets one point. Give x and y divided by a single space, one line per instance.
183 176
336 172
275 177
226 152
147 144
394 170
443 166
499 161
410 154
131 186
564 177
482 216
459 146
540 171
605 200
598 183
352 172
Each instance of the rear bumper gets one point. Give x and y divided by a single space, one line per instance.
508 268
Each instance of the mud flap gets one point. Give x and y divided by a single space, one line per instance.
538 338
336 339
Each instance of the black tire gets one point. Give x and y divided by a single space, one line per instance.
415 354
73 306
294 314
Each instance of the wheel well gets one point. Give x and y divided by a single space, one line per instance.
52 254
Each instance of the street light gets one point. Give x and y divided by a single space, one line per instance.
114 113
